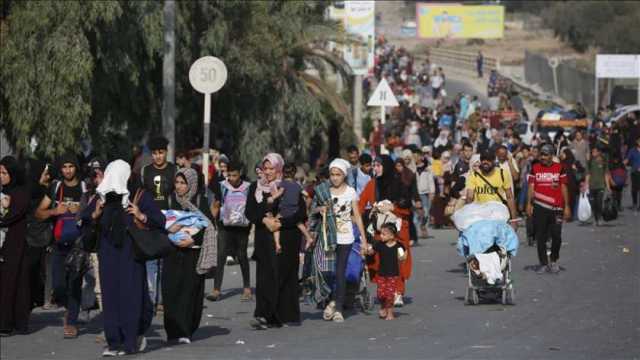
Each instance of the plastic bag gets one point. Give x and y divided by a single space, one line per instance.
609 208
474 212
584 207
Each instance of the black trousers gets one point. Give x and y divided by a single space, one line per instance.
547 223
596 198
237 238
342 255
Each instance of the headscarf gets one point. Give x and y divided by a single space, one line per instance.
209 251
114 192
263 185
411 165
191 177
406 176
116 176
387 186
340 164
443 139
16 173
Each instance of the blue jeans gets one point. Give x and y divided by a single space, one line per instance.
154 276
426 205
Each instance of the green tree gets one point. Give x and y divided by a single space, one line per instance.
104 74
46 71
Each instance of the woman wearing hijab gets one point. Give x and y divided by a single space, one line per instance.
127 309
276 273
409 181
15 297
182 285
443 189
387 186
39 234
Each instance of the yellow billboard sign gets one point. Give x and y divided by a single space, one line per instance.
455 21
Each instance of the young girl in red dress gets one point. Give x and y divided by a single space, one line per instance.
390 253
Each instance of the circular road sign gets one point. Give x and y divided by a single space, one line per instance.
208 74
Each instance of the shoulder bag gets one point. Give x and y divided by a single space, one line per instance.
148 244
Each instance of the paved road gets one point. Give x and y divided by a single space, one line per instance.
589 310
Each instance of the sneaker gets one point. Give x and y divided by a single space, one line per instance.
337 317
259 323
329 311
109 353
231 260
398 302
542 269
184 340
142 343
554 268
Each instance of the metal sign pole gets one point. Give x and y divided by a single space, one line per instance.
205 148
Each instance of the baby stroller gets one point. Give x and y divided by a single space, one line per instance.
478 283
362 297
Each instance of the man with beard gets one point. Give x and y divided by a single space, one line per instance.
491 184
548 201
63 204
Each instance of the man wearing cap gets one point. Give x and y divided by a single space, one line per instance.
158 178
62 204
547 205
491 183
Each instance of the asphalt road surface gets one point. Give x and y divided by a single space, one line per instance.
589 310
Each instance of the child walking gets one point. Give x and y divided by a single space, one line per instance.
390 252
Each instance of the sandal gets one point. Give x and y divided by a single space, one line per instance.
329 311
70 332
246 296
215 296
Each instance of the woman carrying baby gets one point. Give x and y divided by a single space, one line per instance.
182 284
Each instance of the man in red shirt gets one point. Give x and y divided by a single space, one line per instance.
548 197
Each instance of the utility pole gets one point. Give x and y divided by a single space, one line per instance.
169 77
357 108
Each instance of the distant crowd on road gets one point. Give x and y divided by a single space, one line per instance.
138 238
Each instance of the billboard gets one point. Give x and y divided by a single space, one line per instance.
618 66
358 18
455 21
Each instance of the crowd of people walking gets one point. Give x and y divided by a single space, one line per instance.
73 232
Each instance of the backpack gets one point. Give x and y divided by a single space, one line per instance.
65 229
233 203
619 176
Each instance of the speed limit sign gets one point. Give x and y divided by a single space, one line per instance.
208 74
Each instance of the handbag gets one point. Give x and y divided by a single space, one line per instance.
78 261
39 233
148 244
609 208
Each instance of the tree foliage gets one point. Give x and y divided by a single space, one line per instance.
610 26
73 69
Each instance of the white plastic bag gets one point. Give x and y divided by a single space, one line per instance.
471 213
584 207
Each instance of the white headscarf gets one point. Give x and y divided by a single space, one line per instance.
116 176
340 164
